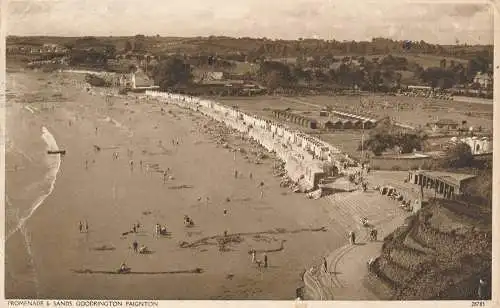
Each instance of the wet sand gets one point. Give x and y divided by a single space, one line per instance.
112 197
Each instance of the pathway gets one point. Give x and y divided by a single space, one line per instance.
347 266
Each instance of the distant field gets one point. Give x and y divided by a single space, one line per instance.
412 110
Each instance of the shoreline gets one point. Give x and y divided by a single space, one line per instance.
50 176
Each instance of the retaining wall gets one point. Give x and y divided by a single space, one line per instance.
303 155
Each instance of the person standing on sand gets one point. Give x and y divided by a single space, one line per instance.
135 245
80 226
265 260
235 174
131 165
352 238
253 255
86 227
96 131
250 175
165 177
325 263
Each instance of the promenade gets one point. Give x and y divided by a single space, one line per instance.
347 266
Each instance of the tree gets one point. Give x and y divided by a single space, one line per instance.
128 46
481 188
172 72
139 43
272 81
279 72
458 156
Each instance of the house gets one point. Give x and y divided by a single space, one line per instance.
446 124
485 80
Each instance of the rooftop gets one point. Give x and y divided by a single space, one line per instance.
450 177
447 122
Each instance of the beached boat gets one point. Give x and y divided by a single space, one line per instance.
61 152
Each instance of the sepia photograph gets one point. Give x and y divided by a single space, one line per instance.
295 150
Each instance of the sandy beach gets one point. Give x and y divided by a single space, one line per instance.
43 254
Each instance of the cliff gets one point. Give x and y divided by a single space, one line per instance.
440 253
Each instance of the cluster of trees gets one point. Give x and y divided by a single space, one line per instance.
316 62
349 73
138 44
385 136
446 76
90 51
315 47
172 72
377 74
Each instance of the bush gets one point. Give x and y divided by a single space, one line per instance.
458 156
351 178
427 166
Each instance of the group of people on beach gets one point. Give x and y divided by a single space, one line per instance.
160 230
260 263
142 250
83 226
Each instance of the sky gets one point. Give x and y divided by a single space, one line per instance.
436 22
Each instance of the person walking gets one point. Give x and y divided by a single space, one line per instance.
157 230
135 245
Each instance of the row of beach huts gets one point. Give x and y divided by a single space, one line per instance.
304 155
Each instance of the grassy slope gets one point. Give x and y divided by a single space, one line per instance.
440 254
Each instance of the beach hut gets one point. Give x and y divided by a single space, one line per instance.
329 125
357 123
337 124
369 124
346 124
313 124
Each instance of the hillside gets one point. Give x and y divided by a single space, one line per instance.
269 48
441 252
